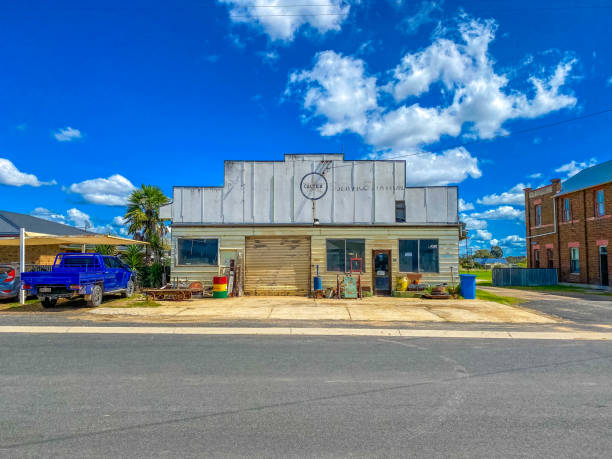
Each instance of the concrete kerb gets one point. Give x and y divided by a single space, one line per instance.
285 331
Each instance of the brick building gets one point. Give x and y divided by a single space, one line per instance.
569 226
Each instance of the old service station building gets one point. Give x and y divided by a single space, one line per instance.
284 219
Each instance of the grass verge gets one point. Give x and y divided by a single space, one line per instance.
488 296
481 274
561 289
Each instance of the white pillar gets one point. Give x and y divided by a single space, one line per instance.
22 260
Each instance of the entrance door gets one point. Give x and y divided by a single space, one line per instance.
603 265
381 260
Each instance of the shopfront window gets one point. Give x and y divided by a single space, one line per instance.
198 251
420 255
341 251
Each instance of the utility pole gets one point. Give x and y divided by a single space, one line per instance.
21 263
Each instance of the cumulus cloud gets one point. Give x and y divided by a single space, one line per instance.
573 167
463 206
67 134
452 166
337 89
281 21
483 235
79 219
472 223
512 240
111 191
500 213
514 195
535 176
42 212
341 95
10 175
119 221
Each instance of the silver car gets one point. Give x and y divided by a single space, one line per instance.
9 281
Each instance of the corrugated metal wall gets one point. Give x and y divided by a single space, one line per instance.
234 237
277 265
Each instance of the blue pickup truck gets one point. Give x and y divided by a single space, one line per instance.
80 274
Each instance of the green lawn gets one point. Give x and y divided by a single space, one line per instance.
488 296
561 289
481 274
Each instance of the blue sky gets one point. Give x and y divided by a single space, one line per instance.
99 98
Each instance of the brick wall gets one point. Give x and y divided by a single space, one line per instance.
36 255
584 230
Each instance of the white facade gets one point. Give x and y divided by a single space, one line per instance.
347 192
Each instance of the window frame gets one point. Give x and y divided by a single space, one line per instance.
402 207
536 258
567 210
184 238
600 212
418 256
574 262
538 215
363 263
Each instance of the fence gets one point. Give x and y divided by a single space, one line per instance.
526 277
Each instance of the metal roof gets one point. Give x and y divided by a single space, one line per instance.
10 222
491 261
586 178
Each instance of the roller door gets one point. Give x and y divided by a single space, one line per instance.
277 265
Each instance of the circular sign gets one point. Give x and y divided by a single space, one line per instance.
313 186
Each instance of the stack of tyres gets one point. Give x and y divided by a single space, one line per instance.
220 287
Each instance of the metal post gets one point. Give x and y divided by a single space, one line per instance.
21 263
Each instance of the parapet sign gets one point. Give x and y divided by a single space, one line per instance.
313 186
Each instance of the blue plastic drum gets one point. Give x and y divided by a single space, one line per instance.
468 286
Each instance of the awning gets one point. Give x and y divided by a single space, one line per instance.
51 239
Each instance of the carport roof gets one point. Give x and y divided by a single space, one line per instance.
10 222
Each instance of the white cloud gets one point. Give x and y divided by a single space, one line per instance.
483 235
423 16
47 214
111 191
338 90
514 195
10 175
535 176
452 166
269 57
119 221
463 206
281 21
472 223
573 167
494 242
475 101
500 213
79 219
513 240
67 134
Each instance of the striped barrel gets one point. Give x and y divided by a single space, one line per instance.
220 287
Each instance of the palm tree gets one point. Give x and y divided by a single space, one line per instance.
142 217
133 257
104 249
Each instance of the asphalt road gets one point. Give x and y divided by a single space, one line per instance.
174 396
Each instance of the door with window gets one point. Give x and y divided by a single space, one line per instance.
381 260
603 265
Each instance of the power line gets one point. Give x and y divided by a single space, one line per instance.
506 135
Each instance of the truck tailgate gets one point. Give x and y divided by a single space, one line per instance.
49 278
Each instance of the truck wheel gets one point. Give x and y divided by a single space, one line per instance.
48 302
95 297
129 289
